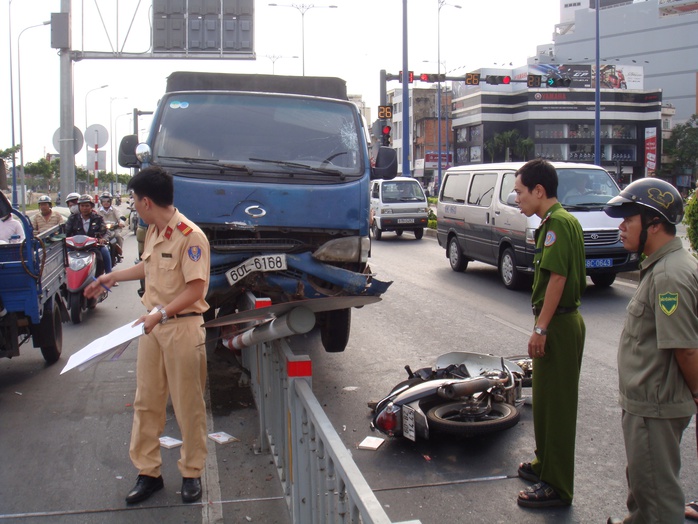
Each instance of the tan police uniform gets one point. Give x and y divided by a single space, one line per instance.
172 358
657 403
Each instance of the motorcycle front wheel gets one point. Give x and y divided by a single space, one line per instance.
452 418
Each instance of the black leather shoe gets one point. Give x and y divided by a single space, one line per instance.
191 489
614 520
144 488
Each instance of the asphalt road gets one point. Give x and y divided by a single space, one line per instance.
65 437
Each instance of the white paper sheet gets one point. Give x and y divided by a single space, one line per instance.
108 347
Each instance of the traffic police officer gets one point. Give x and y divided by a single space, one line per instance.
171 356
657 353
557 342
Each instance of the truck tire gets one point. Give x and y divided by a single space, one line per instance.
75 307
334 330
52 328
604 279
418 233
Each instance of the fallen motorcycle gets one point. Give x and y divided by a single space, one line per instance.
465 394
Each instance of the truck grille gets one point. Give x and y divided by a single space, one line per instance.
601 237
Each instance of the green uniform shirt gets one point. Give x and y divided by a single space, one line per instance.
559 249
662 316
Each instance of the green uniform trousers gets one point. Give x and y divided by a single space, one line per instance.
555 394
653 449
171 360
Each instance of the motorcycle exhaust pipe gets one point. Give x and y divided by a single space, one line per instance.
466 387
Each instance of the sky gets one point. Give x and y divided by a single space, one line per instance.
354 42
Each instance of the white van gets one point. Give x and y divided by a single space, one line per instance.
477 219
398 205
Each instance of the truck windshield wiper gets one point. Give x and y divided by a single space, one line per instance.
211 162
297 165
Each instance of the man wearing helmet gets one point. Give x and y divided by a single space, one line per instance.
71 202
658 350
87 222
110 214
46 218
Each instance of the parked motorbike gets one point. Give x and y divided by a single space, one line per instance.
465 394
81 271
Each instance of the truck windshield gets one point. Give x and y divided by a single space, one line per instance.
266 133
585 187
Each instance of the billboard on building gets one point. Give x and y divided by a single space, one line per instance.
650 151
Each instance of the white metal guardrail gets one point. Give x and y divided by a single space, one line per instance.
320 480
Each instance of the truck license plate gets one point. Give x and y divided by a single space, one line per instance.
262 263
408 423
405 220
599 262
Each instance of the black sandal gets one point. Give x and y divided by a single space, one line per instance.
526 472
540 495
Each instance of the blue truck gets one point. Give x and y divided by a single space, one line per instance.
276 171
32 274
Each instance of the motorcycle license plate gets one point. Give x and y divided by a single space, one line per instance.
262 263
408 423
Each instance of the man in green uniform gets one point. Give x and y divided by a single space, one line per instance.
557 342
657 355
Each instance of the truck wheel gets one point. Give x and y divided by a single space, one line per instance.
334 330
604 279
399 232
377 233
455 256
511 277
75 308
52 327
418 233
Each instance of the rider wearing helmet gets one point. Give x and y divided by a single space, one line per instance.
71 201
88 222
111 216
46 218
657 353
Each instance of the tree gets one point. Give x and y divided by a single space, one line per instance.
42 169
523 147
508 140
682 146
4 155
492 148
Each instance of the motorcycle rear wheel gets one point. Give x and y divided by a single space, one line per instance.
447 418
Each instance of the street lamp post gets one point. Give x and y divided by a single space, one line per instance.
15 203
111 132
274 58
438 93
19 97
302 9
86 94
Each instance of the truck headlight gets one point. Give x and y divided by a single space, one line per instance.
349 249
386 211
531 236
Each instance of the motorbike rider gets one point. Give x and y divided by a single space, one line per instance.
88 222
71 202
46 218
110 214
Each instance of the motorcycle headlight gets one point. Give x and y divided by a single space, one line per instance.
349 249
77 263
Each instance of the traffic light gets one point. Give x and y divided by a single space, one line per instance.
558 82
496 80
410 76
385 138
427 77
533 81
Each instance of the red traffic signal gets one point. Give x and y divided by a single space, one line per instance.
385 139
498 79
386 130
427 77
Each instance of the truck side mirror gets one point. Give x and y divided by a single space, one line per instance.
127 151
386 164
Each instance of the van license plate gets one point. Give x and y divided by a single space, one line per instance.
408 423
599 262
405 220
262 263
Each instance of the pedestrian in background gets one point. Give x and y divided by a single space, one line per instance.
557 342
658 350
171 354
